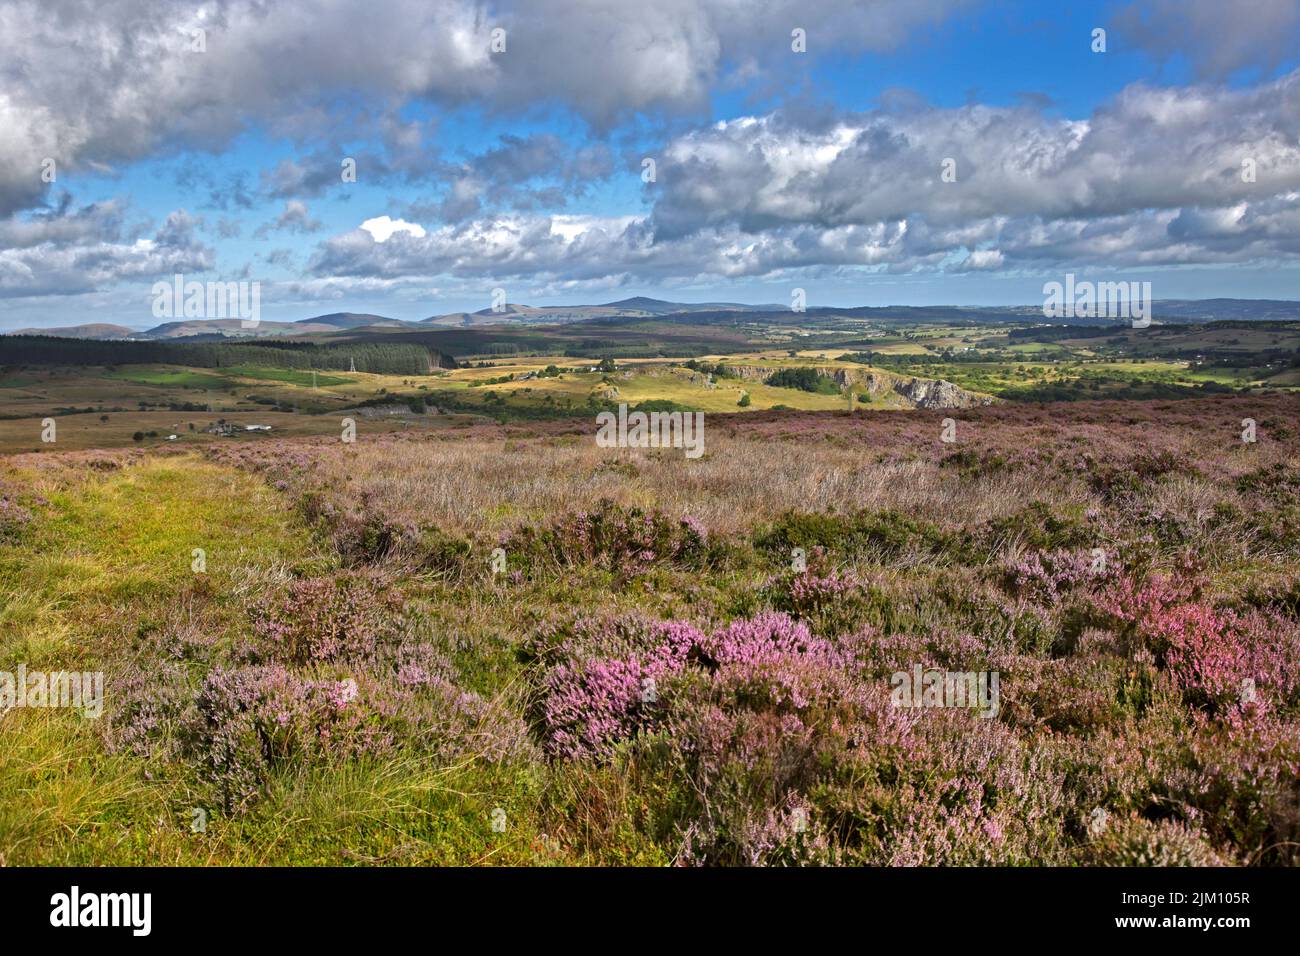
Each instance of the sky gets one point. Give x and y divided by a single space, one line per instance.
408 157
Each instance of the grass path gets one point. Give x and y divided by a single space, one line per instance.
107 562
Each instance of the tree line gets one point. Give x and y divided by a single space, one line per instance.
377 357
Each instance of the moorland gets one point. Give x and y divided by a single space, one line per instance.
473 636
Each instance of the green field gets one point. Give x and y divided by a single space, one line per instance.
290 376
169 376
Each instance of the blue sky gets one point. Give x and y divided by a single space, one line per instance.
522 168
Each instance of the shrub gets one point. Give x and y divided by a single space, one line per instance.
251 720
1135 841
624 540
1050 576
888 532
1234 665
14 519
830 603
588 706
1037 527
363 534
327 619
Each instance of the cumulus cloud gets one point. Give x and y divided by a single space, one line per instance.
1148 148
113 81
520 173
86 250
382 228
1153 177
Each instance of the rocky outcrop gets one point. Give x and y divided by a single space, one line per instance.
937 393
918 392
748 373
862 379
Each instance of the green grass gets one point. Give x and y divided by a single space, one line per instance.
110 556
175 376
289 376
110 549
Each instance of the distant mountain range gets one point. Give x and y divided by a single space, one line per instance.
638 307
509 314
641 307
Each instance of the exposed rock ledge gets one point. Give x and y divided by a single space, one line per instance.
919 392
937 393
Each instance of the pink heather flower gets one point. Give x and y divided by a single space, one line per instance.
588 707
1214 654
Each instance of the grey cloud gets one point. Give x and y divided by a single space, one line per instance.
1217 37
294 218
113 81
498 178
1152 178
1149 148
91 250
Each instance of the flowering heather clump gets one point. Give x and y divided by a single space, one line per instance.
1134 841
241 723
624 540
748 711
832 603
771 660
1051 576
808 594
14 518
1241 665
153 704
591 637
328 618
1235 664
786 835
965 791
768 726
588 706
881 654
249 720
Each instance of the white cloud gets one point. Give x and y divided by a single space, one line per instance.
381 228
116 80
1152 178
1148 148
71 252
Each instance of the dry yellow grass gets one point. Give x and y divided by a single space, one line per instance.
477 485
